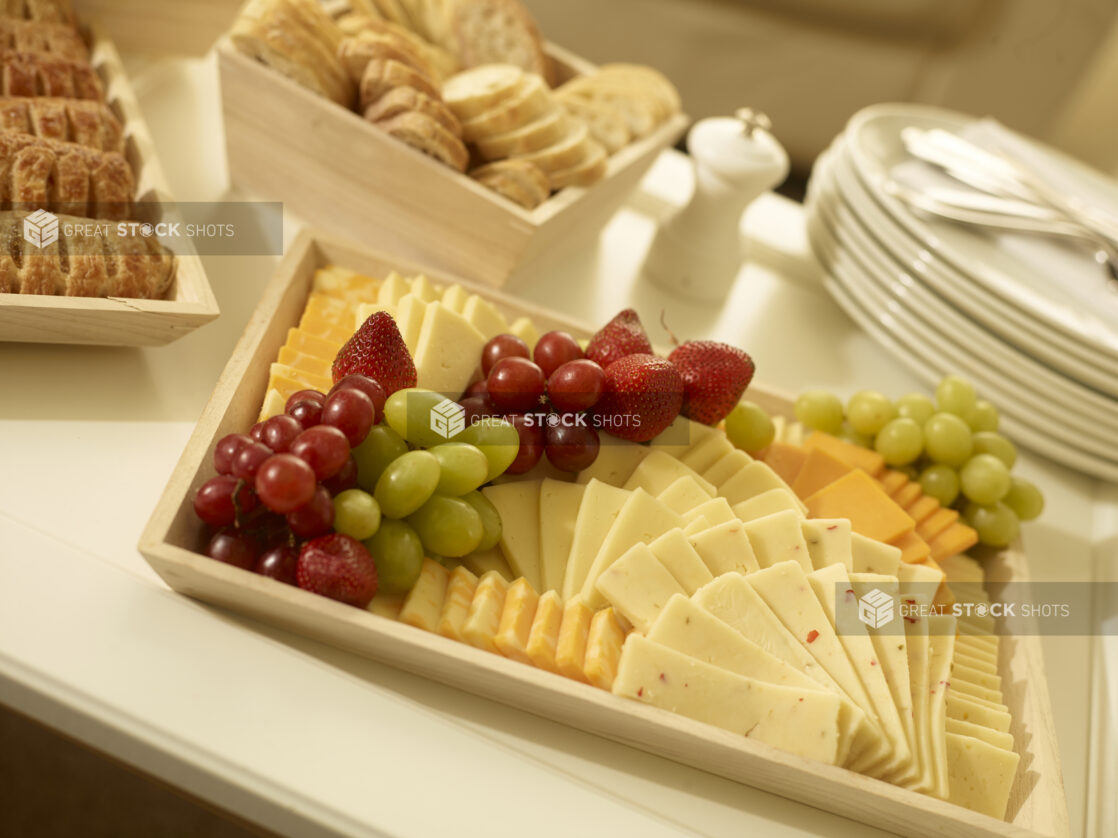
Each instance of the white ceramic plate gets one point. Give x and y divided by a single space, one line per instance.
875 147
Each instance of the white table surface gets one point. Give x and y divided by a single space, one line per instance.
306 740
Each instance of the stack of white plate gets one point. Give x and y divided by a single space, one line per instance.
1040 343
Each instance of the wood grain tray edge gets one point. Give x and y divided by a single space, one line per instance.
118 321
1038 805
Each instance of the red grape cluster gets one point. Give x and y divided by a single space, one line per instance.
275 485
546 394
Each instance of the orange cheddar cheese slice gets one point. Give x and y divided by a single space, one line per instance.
921 509
958 538
907 495
304 363
543 636
853 455
521 602
570 652
936 523
914 549
820 468
456 607
604 640
484 617
860 498
310 344
424 602
785 459
893 481
286 381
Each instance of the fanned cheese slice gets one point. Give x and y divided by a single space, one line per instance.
558 511
599 508
615 464
659 470
753 480
941 646
726 467
725 548
446 350
767 503
704 454
980 775
828 542
638 586
916 645
519 507
683 495
716 511
778 538
686 566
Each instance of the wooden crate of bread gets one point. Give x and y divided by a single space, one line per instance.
1034 806
298 136
61 116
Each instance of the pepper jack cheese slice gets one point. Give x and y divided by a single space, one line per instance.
916 645
704 454
966 709
558 510
941 646
715 510
980 775
828 542
600 506
511 640
484 617
803 722
726 467
543 636
456 607
683 495
767 503
424 602
519 507
638 586
659 470
778 538
871 556
998 740
681 560
751 481
604 641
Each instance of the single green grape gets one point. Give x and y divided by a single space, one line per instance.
947 439
956 395
409 412
984 479
987 442
940 482
381 447
819 410
407 483
916 406
448 526
850 435
868 411
900 441
398 553
996 524
497 439
1024 498
490 520
749 427
983 417
356 514
464 468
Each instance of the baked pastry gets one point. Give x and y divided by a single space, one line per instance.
425 134
406 99
86 123
43 74
298 39
498 32
63 178
521 182
51 11
34 36
83 263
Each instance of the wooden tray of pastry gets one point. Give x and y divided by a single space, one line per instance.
334 168
117 321
1037 805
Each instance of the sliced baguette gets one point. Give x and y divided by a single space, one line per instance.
641 114
528 102
356 53
473 92
406 99
548 130
606 126
521 182
498 31
589 171
568 152
425 134
384 74
440 60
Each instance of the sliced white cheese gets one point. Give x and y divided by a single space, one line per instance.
600 504
519 507
941 646
641 520
755 478
968 710
715 510
725 548
696 525
778 538
803 722
659 470
446 351
410 312
681 560
363 311
455 297
392 289
726 466
683 495
558 511
424 289
919 578
616 462
870 556
637 586
681 436
914 611
980 775
828 542
526 330
484 317
705 453
998 740
767 503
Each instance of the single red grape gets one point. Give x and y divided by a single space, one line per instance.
555 349
280 431
531 443
278 563
213 502
576 386
303 395
257 432
516 385
227 449
478 388
369 386
351 412
307 412
502 346
250 459
232 547
324 447
345 479
314 518
285 482
571 447
478 406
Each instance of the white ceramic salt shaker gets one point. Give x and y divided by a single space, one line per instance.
698 252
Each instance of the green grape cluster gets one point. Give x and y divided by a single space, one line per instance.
417 494
950 444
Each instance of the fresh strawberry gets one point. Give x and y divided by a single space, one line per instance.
338 567
378 351
641 396
623 335
714 377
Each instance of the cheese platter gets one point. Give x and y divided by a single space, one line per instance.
608 696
